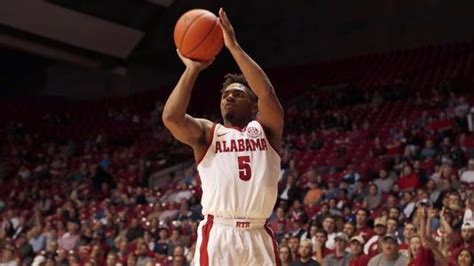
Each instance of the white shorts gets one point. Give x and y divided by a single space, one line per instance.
237 242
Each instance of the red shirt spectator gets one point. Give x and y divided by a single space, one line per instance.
409 180
361 260
424 257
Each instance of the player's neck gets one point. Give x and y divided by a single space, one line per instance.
239 123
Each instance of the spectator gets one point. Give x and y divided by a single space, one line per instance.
178 256
358 258
371 248
340 257
465 258
111 259
69 239
293 244
392 226
468 212
467 176
467 241
305 250
374 199
408 232
291 192
351 176
319 244
329 225
36 239
428 150
390 254
362 227
8 257
285 256
409 180
134 230
384 181
349 229
313 195
24 249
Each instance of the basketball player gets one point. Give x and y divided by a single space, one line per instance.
238 161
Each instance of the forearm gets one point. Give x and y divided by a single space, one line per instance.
423 231
254 74
428 227
178 101
447 227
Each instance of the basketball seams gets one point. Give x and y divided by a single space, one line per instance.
216 21
187 28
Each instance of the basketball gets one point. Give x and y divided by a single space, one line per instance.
198 35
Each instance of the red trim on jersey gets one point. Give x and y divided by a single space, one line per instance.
275 244
209 144
206 231
266 135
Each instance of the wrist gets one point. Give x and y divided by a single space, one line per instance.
234 47
193 69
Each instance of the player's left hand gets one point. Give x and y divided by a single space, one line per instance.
195 65
227 30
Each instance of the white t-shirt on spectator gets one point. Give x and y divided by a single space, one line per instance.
330 242
468 217
409 208
467 177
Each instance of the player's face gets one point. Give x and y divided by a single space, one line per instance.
236 102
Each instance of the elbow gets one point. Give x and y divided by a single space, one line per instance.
168 119
281 113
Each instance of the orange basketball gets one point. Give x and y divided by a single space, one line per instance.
198 35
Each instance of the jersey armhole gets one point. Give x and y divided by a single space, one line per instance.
209 143
266 134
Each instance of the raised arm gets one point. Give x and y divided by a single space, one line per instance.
185 128
270 111
421 216
444 223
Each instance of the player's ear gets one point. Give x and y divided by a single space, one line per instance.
254 108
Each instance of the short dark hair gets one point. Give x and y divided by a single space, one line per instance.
230 78
322 231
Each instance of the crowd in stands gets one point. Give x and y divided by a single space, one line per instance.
386 178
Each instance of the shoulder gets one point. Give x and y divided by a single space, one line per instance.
329 257
402 259
374 260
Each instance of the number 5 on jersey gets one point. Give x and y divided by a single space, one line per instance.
245 172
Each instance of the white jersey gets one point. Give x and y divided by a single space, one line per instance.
239 173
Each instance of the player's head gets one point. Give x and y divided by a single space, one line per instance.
238 102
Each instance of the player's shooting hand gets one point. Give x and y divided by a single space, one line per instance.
195 65
228 32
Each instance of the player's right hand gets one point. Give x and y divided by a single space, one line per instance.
194 65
